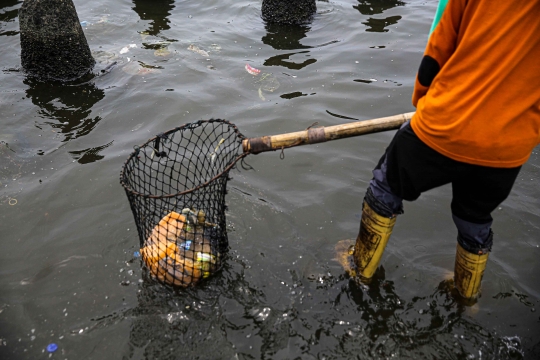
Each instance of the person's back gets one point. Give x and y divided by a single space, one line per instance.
483 106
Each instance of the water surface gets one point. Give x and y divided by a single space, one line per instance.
67 264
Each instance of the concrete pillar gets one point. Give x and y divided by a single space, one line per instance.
53 45
288 11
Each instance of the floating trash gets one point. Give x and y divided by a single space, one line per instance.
252 70
104 19
104 57
52 347
266 83
136 68
125 49
144 34
162 52
215 48
214 154
197 50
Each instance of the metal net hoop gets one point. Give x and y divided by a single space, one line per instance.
176 184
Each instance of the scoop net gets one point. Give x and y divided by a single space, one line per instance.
176 184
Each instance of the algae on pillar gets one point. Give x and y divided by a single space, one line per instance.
53 45
288 11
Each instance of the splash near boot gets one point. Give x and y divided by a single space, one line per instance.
468 272
344 251
375 230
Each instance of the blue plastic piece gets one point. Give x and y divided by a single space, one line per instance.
136 254
52 347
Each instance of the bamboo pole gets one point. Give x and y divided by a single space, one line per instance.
322 134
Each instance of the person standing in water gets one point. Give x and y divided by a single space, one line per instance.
477 120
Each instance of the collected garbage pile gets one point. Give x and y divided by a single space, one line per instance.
176 185
181 249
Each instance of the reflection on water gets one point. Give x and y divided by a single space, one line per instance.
379 25
378 7
157 12
287 37
371 7
65 108
89 155
8 15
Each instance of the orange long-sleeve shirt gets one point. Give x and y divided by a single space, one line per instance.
477 91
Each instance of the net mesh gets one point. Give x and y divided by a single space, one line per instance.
176 185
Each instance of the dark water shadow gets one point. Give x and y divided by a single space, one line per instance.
379 25
378 7
372 7
66 109
287 37
9 15
90 155
155 11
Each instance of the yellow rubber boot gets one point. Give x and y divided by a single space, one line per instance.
468 272
375 230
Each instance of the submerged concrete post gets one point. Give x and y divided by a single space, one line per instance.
288 11
53 45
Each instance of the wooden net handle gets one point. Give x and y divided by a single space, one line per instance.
322 134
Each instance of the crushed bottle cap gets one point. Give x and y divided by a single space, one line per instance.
52 347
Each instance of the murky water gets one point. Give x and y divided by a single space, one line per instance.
68 271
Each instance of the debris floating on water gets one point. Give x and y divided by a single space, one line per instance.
197 50
162 52
52 347
136 68
214 154
125 49
252 70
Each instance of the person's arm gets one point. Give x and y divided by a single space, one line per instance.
438 14
441 44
